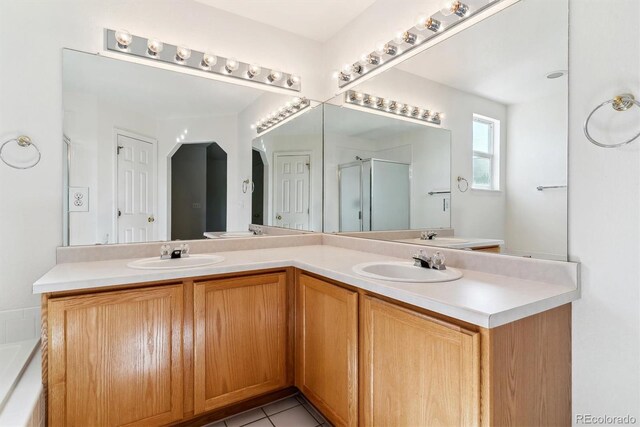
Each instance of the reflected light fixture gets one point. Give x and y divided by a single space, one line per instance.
288 110
182 54
392 107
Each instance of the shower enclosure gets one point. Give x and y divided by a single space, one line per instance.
374 195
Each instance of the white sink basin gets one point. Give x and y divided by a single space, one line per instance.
192 261
405 271
238 234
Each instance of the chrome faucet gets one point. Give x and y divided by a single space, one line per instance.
437 261
181 251
257 231
428 235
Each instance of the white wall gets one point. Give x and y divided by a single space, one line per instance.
604 210
474 213
32 34
537 155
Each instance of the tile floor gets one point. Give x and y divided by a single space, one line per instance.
293 411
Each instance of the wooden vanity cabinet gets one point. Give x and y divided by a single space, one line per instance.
327 348
115 358
417 370
241 339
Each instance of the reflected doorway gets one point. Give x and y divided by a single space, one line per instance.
198 190
257 197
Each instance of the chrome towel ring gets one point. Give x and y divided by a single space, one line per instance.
25 142
619 103
465 185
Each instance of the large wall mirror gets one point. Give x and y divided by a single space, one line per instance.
493 175
154 154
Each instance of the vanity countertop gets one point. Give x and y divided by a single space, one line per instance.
454 242
483 299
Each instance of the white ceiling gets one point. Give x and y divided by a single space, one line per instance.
159 93
504 58
314 19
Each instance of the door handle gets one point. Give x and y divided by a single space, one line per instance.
279 217
151 219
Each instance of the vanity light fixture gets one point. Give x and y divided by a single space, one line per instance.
123 42
426 28
392 107
288 110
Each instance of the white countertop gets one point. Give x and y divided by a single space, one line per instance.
454 242
484 299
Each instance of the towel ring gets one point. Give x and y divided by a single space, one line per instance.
619 103
25 142
466 184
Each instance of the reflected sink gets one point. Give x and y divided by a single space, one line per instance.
238 234
192 261
405 271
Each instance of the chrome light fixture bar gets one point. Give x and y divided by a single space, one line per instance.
181 56
426 28
288 110
392 107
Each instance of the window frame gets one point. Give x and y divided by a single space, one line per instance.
493 154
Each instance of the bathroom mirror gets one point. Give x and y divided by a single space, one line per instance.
287 173
153 154
501 86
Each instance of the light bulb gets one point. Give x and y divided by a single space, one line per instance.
182 137
386 48
231 65
297 102
405 37
123 39
421 21
182 53
275 76
178 139
451 7
254 70
154 47
334 74
380 48
433 25
293 80
208 60
252 126
186 131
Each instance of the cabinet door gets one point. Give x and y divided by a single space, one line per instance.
417 371
327 348
115 358
241 339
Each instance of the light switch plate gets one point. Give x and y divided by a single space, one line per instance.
78 199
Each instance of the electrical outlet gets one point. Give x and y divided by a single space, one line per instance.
78 199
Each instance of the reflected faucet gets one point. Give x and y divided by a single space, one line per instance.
428 235
437 261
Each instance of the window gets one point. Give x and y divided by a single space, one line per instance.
486 153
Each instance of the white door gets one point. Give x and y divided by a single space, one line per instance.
292 192
136 185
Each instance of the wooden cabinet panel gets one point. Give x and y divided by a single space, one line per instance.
115 358
416 370
327 348
241 339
